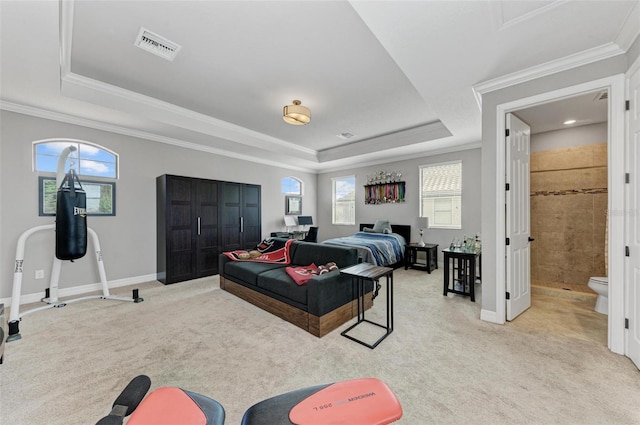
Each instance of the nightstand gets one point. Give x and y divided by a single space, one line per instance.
411 256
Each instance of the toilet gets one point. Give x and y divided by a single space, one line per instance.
601 287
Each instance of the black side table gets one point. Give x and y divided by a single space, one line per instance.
464 271
411 256
360 273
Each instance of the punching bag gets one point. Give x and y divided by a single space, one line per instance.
71 219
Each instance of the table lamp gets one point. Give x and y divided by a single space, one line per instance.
422 223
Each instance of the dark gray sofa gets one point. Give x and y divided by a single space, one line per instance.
320 306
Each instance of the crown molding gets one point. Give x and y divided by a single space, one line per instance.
629 30
497 11
99 93
441 151
585 57
423 133
97 125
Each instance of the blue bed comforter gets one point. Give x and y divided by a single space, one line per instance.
381 249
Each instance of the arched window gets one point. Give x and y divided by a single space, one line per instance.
291 186
89 161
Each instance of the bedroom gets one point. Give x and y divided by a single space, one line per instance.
128 238
43 99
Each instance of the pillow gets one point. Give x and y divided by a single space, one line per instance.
382 226
302 274
368 230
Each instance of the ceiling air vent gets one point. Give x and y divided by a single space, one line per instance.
603 95
346 135
156 44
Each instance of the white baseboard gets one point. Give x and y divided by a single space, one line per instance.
82 289
490 316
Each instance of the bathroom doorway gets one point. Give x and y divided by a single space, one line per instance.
568 205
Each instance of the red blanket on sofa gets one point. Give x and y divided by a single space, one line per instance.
269 251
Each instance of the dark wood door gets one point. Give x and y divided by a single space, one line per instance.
231 213
178 251
207 227
251 215
241 216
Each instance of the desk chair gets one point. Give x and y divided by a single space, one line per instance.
312 235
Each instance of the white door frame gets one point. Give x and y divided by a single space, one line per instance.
616 143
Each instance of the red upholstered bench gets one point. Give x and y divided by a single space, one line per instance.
366 401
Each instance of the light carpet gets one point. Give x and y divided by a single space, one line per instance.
444 364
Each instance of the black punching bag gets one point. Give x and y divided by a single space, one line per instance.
71 219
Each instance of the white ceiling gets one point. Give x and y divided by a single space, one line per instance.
398 75
585 109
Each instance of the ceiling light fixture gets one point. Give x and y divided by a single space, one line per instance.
296 114
569 122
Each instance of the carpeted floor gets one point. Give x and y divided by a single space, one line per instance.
444 364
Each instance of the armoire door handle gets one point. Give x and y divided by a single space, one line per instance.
198 226
241 224
531 239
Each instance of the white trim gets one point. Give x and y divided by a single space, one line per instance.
568 62
84 122
458 148
82 289
100 93
635 67
490 316
629 30
615 85
497 11
616 202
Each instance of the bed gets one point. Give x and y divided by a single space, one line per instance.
378 248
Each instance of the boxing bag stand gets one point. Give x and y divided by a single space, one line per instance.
51 293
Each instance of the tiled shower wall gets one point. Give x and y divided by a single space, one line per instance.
568 214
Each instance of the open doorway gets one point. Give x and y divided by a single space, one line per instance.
616 193
568 213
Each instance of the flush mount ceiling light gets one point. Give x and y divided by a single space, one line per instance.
569 122
296 114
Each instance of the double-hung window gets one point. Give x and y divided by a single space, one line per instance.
344 200
441 194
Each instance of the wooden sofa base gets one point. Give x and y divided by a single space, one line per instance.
315 325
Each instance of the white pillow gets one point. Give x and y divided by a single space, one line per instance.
382 226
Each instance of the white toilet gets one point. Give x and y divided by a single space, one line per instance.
601 287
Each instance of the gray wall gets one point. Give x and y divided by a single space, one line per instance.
490 102
128 240
406 213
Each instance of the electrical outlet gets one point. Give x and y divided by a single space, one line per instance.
39 274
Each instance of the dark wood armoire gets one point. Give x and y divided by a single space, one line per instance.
197 219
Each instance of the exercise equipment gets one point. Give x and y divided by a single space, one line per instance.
51 293
164 406
71 218
366 401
